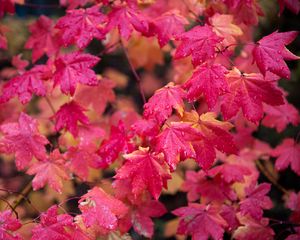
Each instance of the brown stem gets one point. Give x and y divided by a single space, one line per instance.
137 77
50 105
10 206
270 177
23 195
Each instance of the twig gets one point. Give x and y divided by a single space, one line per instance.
10 206
50 105
137 77
23 195
269 176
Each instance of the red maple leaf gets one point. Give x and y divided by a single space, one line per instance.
249 91
231 172
102 209
97 96
213 135
200 42
213 188
200 221
23 86
175 141
127 17
270 53
24 140
110 149
280 116
208 80
6 6
51 170
139 217
252 229
80 26
167 26
256 201
43 39
67 117
8 226
80 159
161 104
74 68
146 171
287 153
53 226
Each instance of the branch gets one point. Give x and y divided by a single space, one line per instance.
270 177
23 195
137 77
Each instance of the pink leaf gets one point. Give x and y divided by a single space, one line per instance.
80 26
67 117
24 140
74 68
200 42
270 53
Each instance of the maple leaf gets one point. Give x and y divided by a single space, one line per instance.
102 209
139 217
167 26
160 105
24 140
53 226
97 96
245 11
249 91
223 27
23 86
175 140
270 53
6 6
68 115
293 203
126 18
8 226
200 221
146 171
287 153
19 63
43 39
256 201
74 68
252 229
231 172
212 188
214 134
80 26
292 5
209 81
110 149
280 116
51 170
147 128
200 42
81 158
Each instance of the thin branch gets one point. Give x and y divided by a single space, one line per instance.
137 77
270 177
23 195
50 105
10 206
